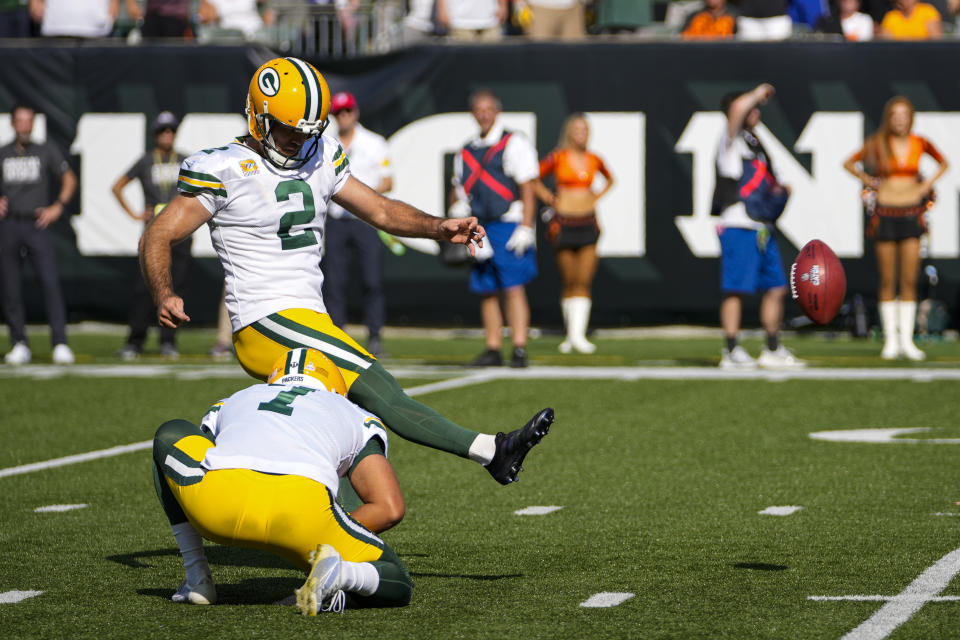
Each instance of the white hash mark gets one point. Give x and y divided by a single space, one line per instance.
59 507
780 511
536 511
11 597
606 599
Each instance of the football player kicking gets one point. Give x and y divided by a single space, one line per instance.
262 472
264 197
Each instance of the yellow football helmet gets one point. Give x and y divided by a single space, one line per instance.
287 92
308 368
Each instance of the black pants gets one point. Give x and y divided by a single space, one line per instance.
341 235
155 26
18 235
144 312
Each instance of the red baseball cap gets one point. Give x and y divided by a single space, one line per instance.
341 101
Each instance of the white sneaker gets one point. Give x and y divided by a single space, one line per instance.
582 345
321 592
565 347
738 358
910 351
20 354
891 350
782 358
201 593
62 354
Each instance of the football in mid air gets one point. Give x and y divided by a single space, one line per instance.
818 282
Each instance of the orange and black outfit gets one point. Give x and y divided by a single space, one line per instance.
897 223
705 25
571 232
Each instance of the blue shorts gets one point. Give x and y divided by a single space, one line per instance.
750 264
504 269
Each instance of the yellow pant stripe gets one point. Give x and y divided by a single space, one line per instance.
262 343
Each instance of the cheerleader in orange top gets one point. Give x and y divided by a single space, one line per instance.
897 198
574 230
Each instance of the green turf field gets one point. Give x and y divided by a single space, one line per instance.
660 484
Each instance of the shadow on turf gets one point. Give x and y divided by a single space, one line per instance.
216 555
248 592
761 566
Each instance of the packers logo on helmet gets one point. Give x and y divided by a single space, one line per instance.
291 93
308 368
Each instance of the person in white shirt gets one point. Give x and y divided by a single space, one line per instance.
90 19
494 177
750 258
263 471
472 19
265 198
370 164
847 20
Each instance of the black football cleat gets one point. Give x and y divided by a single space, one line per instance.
512 447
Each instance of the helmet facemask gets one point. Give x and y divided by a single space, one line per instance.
267 124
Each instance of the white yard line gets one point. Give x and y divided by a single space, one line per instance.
444 385
80 457
901 607
192 372
460 378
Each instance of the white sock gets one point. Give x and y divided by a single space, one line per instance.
578 317
359 577
888 319
190 543
483 448
907 312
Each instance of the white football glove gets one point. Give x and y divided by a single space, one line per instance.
520 240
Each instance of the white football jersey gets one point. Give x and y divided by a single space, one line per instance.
290 430
267 224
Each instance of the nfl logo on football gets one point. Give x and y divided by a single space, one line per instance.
812 276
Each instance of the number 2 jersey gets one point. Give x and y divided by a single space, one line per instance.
289 430
266 224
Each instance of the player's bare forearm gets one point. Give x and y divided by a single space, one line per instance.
154 253
402 219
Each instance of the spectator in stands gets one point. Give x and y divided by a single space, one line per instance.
14 19
472 19
848 21
807 12
714 21
237 15
161 18
418 24
69 18
573 230
897 198
157 172
562 19
370 164
912 20
494 176
26 213
764 20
